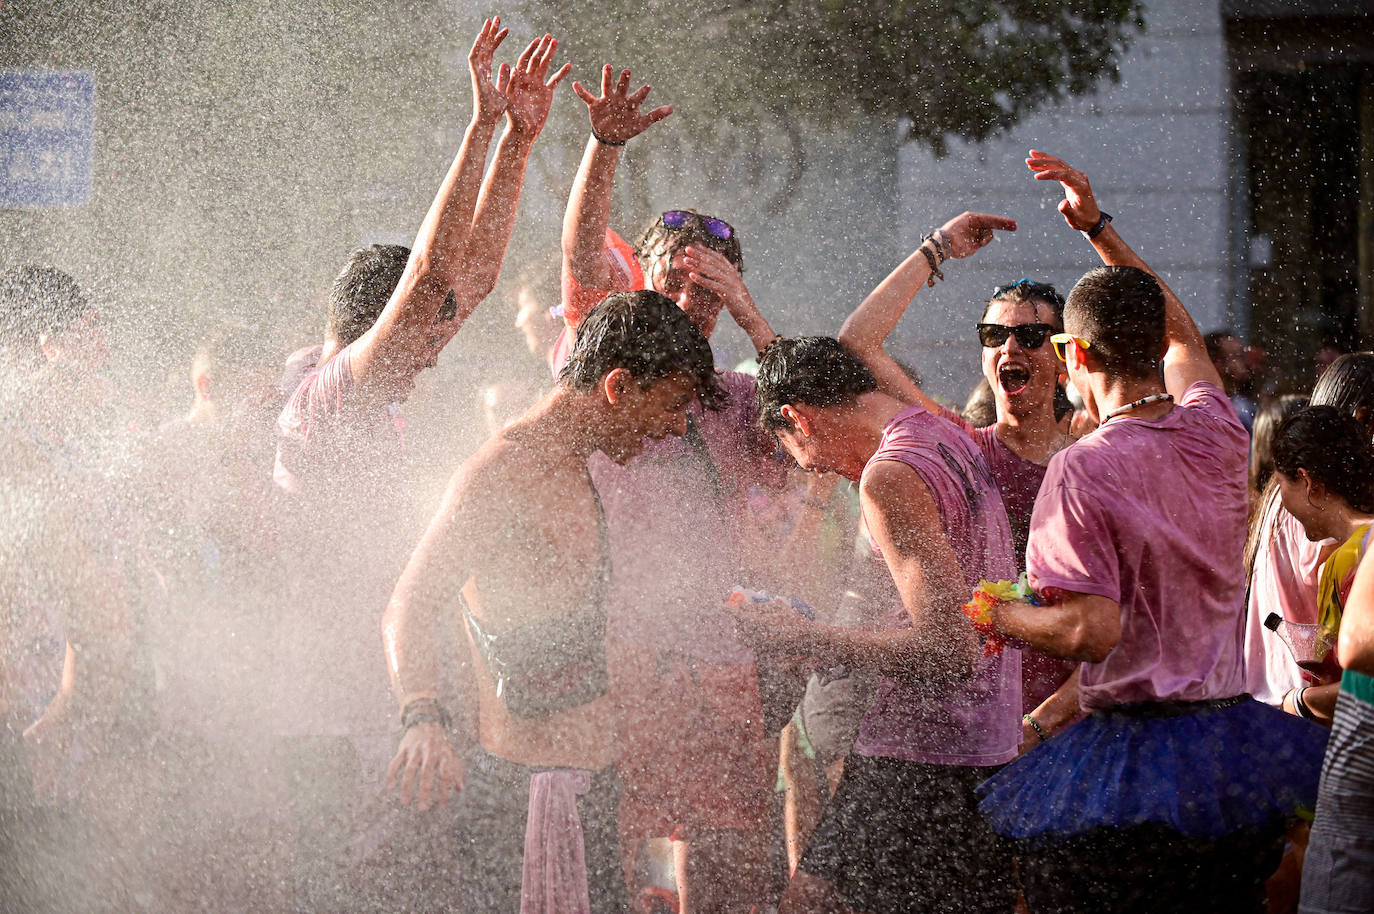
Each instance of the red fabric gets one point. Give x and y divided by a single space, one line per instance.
578 300
693 754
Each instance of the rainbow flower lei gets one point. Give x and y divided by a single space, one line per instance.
986 597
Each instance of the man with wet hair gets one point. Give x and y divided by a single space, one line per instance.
348 520
1173 793
901 834
696 763
539 791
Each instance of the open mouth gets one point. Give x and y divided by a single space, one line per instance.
1014 379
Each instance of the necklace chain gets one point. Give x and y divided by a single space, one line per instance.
1143 401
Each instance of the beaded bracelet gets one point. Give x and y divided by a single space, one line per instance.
1036 725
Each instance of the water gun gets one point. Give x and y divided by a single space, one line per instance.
740 597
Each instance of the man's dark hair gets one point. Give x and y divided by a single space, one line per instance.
1120 312
1033 293
815 370
649 336
1347 384
661 241
35 300
1334 450
362 289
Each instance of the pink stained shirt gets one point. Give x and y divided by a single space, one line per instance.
1019 480
347 528
1151 514
1283 581
975 723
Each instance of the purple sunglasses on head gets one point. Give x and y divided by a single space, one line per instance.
681 218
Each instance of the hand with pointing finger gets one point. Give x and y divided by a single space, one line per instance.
968 233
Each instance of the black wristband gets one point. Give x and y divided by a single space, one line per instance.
1035 724
424 711
605 142
1096 230
930 259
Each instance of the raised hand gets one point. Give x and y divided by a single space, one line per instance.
530 95
967 233
714 272
615 116
1078 206
488 98
426 767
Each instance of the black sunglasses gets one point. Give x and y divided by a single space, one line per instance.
1035 289
681 218
1028 336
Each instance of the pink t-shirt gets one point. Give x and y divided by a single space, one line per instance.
976 722
1283 581
1018 481
1151 514
346 532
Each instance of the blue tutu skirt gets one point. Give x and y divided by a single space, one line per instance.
1200 769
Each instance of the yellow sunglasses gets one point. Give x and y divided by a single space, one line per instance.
1061 341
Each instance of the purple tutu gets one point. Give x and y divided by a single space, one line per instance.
1204 769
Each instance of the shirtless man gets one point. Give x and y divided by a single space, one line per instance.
538 643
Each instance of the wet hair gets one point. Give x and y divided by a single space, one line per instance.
659 240
980 409
1120 312
815 370
1034 294
362 289
1267 422
36 300
1333 448
1347 384
648 336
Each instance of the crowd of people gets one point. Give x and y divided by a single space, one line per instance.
1088 645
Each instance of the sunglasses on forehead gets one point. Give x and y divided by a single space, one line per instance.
1035 289
681 218
1028 336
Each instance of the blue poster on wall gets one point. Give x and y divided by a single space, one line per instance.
47 121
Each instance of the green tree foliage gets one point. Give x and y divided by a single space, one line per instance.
948 68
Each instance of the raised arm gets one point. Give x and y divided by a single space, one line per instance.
615 120
426 766
529 97
865 331
399 343
1185 359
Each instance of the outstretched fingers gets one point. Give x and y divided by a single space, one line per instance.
581 92
558 77
523 63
